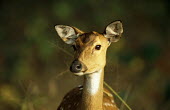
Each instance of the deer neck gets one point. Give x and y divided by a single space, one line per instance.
92 98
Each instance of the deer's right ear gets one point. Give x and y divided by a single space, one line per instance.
67 33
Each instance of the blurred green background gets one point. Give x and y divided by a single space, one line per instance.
34 62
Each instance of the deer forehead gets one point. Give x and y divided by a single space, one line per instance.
91 38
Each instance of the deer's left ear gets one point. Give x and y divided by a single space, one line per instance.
67 33
114 31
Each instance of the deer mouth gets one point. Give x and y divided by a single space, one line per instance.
79 74
84 73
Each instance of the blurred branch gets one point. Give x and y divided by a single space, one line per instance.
54 45
117 96
61 73
126 96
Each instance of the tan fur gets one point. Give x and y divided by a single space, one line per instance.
91 96
93 59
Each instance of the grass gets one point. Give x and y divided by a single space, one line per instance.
117 95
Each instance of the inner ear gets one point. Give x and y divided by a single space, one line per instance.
67 33
113 31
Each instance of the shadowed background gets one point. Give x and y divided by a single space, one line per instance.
34 61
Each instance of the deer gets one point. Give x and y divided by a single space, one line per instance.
89 61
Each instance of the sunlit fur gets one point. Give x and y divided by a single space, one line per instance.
92 96
92 59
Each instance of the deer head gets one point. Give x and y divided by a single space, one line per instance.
90 48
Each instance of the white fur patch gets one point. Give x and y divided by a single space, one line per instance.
93 82
79 74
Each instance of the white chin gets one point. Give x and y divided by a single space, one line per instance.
79 74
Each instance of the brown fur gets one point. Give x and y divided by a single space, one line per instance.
93 59
72 100
91 96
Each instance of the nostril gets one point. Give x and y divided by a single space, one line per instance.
78 67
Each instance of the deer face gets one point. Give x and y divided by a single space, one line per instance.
90 48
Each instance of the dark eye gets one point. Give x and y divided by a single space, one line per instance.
97 47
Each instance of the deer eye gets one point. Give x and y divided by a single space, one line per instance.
97 47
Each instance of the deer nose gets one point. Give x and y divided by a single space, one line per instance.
76 66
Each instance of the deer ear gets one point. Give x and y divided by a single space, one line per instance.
113 31
67 33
